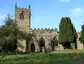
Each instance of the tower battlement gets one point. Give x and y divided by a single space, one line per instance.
23 9
44 29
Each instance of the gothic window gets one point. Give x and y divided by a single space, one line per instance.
54 43
22 15
41 43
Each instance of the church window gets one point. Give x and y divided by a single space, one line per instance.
22 15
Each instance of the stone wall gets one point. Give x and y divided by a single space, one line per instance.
47 34
24 25
79 44
21 45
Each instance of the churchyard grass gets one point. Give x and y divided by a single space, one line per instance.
56 57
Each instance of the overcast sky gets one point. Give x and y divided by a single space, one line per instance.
46 13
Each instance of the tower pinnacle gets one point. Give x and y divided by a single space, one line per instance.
29 6
16 5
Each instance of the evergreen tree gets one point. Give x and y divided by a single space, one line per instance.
67 32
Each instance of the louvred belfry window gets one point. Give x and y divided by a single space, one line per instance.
22 15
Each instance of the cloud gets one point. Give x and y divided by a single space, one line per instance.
65 0
76 11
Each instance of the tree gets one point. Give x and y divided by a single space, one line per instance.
9 33
67 32
82 35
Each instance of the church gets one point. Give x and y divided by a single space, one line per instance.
45 39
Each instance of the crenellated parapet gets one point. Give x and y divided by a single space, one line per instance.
18 8
22 8
44 30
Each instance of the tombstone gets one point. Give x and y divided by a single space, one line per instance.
43 49
72 45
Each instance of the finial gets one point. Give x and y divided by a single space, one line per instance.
29 6
16 5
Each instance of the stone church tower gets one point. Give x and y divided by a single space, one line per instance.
22 18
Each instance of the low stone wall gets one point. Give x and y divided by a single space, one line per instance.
59 47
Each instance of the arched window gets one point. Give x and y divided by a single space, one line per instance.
54 42
22 15
41 43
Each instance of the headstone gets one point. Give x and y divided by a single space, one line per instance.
43 49
73 45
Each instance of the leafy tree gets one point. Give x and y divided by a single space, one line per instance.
9 33
67 32
82 35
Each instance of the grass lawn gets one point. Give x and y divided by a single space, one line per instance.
56 57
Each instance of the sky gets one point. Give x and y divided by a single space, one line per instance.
46 13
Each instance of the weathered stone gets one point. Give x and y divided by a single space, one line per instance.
21 45
79 44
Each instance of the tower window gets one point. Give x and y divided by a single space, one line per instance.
22 15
